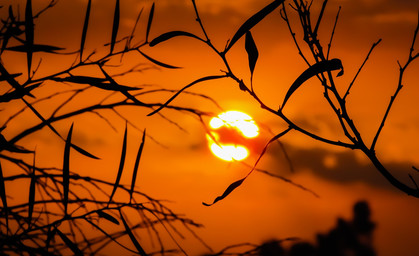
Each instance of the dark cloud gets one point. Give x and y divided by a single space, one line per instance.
344 167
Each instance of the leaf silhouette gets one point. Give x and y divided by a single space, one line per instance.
83 152
101 83
35 48
171 34
66 169
11 80
137 162
85 26
230 189
156 61
252 21
29 33
317 68
252 52
115 25
3 196
133 29
31 193
73 247
150 20
202 79
132 237
108 217
121 165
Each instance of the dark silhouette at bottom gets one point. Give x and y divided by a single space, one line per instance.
347 238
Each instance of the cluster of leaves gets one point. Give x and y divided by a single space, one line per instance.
321 66
60 201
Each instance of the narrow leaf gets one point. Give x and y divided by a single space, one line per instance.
73 247
137 162
83 152
171 34
101 83
252 52
150 20
35 48
66 169
108 217
115 25
252 21
11 80
29 33
158 63
230 189
202 79
133 29
121 165
132 237
31 193
3 196
319 67
85 26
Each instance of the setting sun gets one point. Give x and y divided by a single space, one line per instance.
231 130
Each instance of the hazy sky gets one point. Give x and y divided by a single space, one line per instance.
263 207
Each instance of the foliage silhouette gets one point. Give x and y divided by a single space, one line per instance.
354 237
62 202
321 66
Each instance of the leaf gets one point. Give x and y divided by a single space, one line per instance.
66 169
35 48
115 25
85 26
252 21
230 189
132 237
252 52
73 247
121 165
137 162
31 193
319 67
101 83
10 79
171 34
202 79
161 64
108 217
133 29
83 152
150 20
29 33
3 196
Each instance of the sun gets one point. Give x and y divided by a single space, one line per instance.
230 134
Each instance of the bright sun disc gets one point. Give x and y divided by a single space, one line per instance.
230 130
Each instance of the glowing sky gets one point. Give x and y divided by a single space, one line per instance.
264 207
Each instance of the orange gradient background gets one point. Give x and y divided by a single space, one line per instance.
177 164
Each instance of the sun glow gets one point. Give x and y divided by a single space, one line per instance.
230 132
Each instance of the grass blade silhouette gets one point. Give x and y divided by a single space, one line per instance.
121 165
230 189
137 162
150 20
31 193
73 247
108 217
166 36
158 63
132 237
85 26
252 53
29 33
3 197
115 25
66 169
252 21
315 69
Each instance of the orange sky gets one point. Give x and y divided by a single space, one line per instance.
263 208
